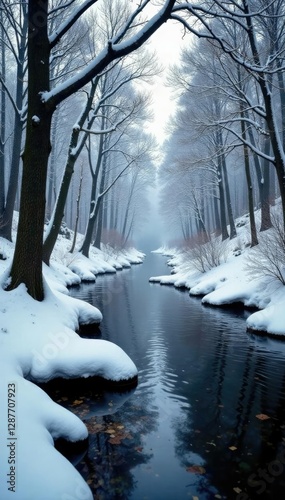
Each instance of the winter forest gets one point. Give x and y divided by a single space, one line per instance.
91 177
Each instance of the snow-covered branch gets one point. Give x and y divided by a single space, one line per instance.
253 148
112 51
68 23
9 94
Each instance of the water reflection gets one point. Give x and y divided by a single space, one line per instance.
190 428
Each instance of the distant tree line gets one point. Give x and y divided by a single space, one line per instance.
225 155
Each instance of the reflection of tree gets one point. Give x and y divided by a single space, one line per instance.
237 392
115 447
117 421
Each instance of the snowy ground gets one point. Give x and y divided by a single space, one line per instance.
231 283
39 342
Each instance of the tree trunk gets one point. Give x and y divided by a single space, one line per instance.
263 181
89 231
233 232
98 234
265 191
224 228
7 214
2 123
99 226
27 261
217 219
281 88
253 232
270 111
57 216
131 229
94 205
74 150
77 211
51 187
279 164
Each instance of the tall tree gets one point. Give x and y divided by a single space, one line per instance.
213 20
27 262
16 41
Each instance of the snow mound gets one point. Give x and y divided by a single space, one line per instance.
40 470
230 283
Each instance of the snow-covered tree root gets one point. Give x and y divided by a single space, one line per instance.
38 343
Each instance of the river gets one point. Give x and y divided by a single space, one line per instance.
197 424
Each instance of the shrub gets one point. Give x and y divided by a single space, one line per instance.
205 255
268 258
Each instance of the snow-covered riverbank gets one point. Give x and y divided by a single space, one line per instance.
39 342
231 283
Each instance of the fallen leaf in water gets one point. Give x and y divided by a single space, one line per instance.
211 443
262 416
94 427
139 448
195 498
77 402
232 448
110 431
115 439
237 490
118 437
196 469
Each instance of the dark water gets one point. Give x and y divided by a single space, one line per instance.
190 429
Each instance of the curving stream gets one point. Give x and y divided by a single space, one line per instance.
189 430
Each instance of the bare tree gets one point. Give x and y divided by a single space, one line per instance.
211 20
42 103
14 39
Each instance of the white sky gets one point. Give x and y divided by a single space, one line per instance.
167 42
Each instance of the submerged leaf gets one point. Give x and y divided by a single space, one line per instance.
115 439
196 469
237 490
77 402
262 416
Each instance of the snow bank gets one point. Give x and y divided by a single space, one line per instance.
38 342
41 472
271 320
86 268
229 284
